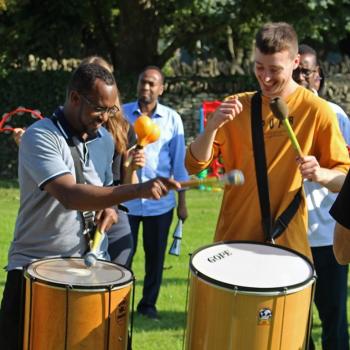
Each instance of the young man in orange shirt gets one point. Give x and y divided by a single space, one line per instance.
228 132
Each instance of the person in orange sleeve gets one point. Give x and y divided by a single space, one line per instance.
228 132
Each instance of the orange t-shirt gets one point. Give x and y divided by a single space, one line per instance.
317 131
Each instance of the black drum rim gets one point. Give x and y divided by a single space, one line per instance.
93 287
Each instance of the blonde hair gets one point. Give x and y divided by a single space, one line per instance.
117 126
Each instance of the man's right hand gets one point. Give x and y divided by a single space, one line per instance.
226 112
157 188
201 147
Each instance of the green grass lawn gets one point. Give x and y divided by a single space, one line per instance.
166 334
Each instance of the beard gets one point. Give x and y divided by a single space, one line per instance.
145 99
84 128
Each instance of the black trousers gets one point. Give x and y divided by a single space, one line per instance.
12 312
155 230
330 299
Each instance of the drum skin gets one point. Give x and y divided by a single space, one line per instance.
57 318
230 319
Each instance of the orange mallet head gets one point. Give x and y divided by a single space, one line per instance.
143 126
152 137
146 130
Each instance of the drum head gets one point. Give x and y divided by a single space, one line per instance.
73 272
251 266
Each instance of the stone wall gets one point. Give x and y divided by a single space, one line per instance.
185 92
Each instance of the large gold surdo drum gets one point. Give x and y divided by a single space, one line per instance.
70 306
249 296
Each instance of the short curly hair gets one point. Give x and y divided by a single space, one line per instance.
84 77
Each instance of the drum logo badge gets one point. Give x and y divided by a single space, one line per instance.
122 311
264 317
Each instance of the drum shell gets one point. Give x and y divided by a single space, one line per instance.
228 318
65 317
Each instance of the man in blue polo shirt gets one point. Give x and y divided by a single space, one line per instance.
49 223
165 157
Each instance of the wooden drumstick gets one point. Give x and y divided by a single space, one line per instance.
280 109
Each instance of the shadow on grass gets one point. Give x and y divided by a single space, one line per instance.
175 320
165 282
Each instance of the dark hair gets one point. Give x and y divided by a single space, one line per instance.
277 37
307 50
153 68
85 75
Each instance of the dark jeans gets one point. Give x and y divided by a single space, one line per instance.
155 237
11 313
330 299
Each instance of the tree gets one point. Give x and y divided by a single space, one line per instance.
136 33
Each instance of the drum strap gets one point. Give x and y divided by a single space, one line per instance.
88 217
271 229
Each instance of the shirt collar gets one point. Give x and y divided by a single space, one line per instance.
66 130
158 112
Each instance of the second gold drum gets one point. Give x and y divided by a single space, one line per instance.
249 296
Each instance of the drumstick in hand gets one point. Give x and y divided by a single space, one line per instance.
91 257
280 109
234 177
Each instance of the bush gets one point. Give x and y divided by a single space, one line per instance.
45 90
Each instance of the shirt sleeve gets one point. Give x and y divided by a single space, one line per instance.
339 210
177 151
194 165
344 124
41 154
332 154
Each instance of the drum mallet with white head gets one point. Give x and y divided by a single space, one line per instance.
91 257
280 109
233 177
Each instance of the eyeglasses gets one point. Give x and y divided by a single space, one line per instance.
305 71
111 111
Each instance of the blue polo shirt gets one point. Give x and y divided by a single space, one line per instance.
164 158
